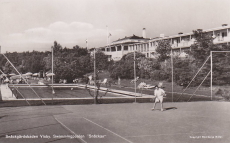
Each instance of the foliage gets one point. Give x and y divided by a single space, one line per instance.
147 67
202 46
221 68
102 60
68 63
183 70
163 49
201 50
125 67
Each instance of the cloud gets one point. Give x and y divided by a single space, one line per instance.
67 34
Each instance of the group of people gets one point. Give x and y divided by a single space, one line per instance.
11 81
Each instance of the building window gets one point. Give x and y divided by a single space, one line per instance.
118 48
108 49
224 34
103 49
113 49
126 48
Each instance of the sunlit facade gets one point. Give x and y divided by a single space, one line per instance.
147 46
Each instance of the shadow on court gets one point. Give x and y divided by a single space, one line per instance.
2 117
165 109
170 108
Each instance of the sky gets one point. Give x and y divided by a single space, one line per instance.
27 25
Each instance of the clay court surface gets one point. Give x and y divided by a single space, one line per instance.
204 122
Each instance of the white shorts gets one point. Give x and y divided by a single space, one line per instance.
159 99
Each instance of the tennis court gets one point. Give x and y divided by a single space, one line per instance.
117 123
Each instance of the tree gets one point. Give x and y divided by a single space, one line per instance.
163 50
202 46
200 51
102 62
183 70
146 66
125 67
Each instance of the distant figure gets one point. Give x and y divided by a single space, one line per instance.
158 95
6 80
91 82
224 93
184 85
104 81
90 77
134 80
119 81
75 80
61 81
141 86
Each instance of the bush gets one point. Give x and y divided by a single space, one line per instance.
159 75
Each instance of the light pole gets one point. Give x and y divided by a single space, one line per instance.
94 63
172 71
86 43
52 51
135 82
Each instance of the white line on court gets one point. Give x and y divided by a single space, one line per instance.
108 130
69 129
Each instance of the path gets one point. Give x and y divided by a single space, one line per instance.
6 93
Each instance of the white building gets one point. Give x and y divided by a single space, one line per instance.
179 42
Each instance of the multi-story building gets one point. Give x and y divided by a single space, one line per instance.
147 46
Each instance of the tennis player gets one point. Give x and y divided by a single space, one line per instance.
158 95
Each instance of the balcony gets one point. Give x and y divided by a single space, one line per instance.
221 40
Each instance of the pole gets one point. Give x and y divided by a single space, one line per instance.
94 61
52 50
135 82
107 34
211 75
172 71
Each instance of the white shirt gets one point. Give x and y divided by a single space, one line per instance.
159 92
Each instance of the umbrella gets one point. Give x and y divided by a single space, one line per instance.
50 74
35 74
12 74
29 73
17 76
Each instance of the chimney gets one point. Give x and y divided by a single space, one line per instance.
162 35
180 33
224 25
143 33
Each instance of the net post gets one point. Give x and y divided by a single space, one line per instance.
172 71
135 82
52 51
211 74
94 65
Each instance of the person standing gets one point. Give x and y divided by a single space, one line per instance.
159 94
